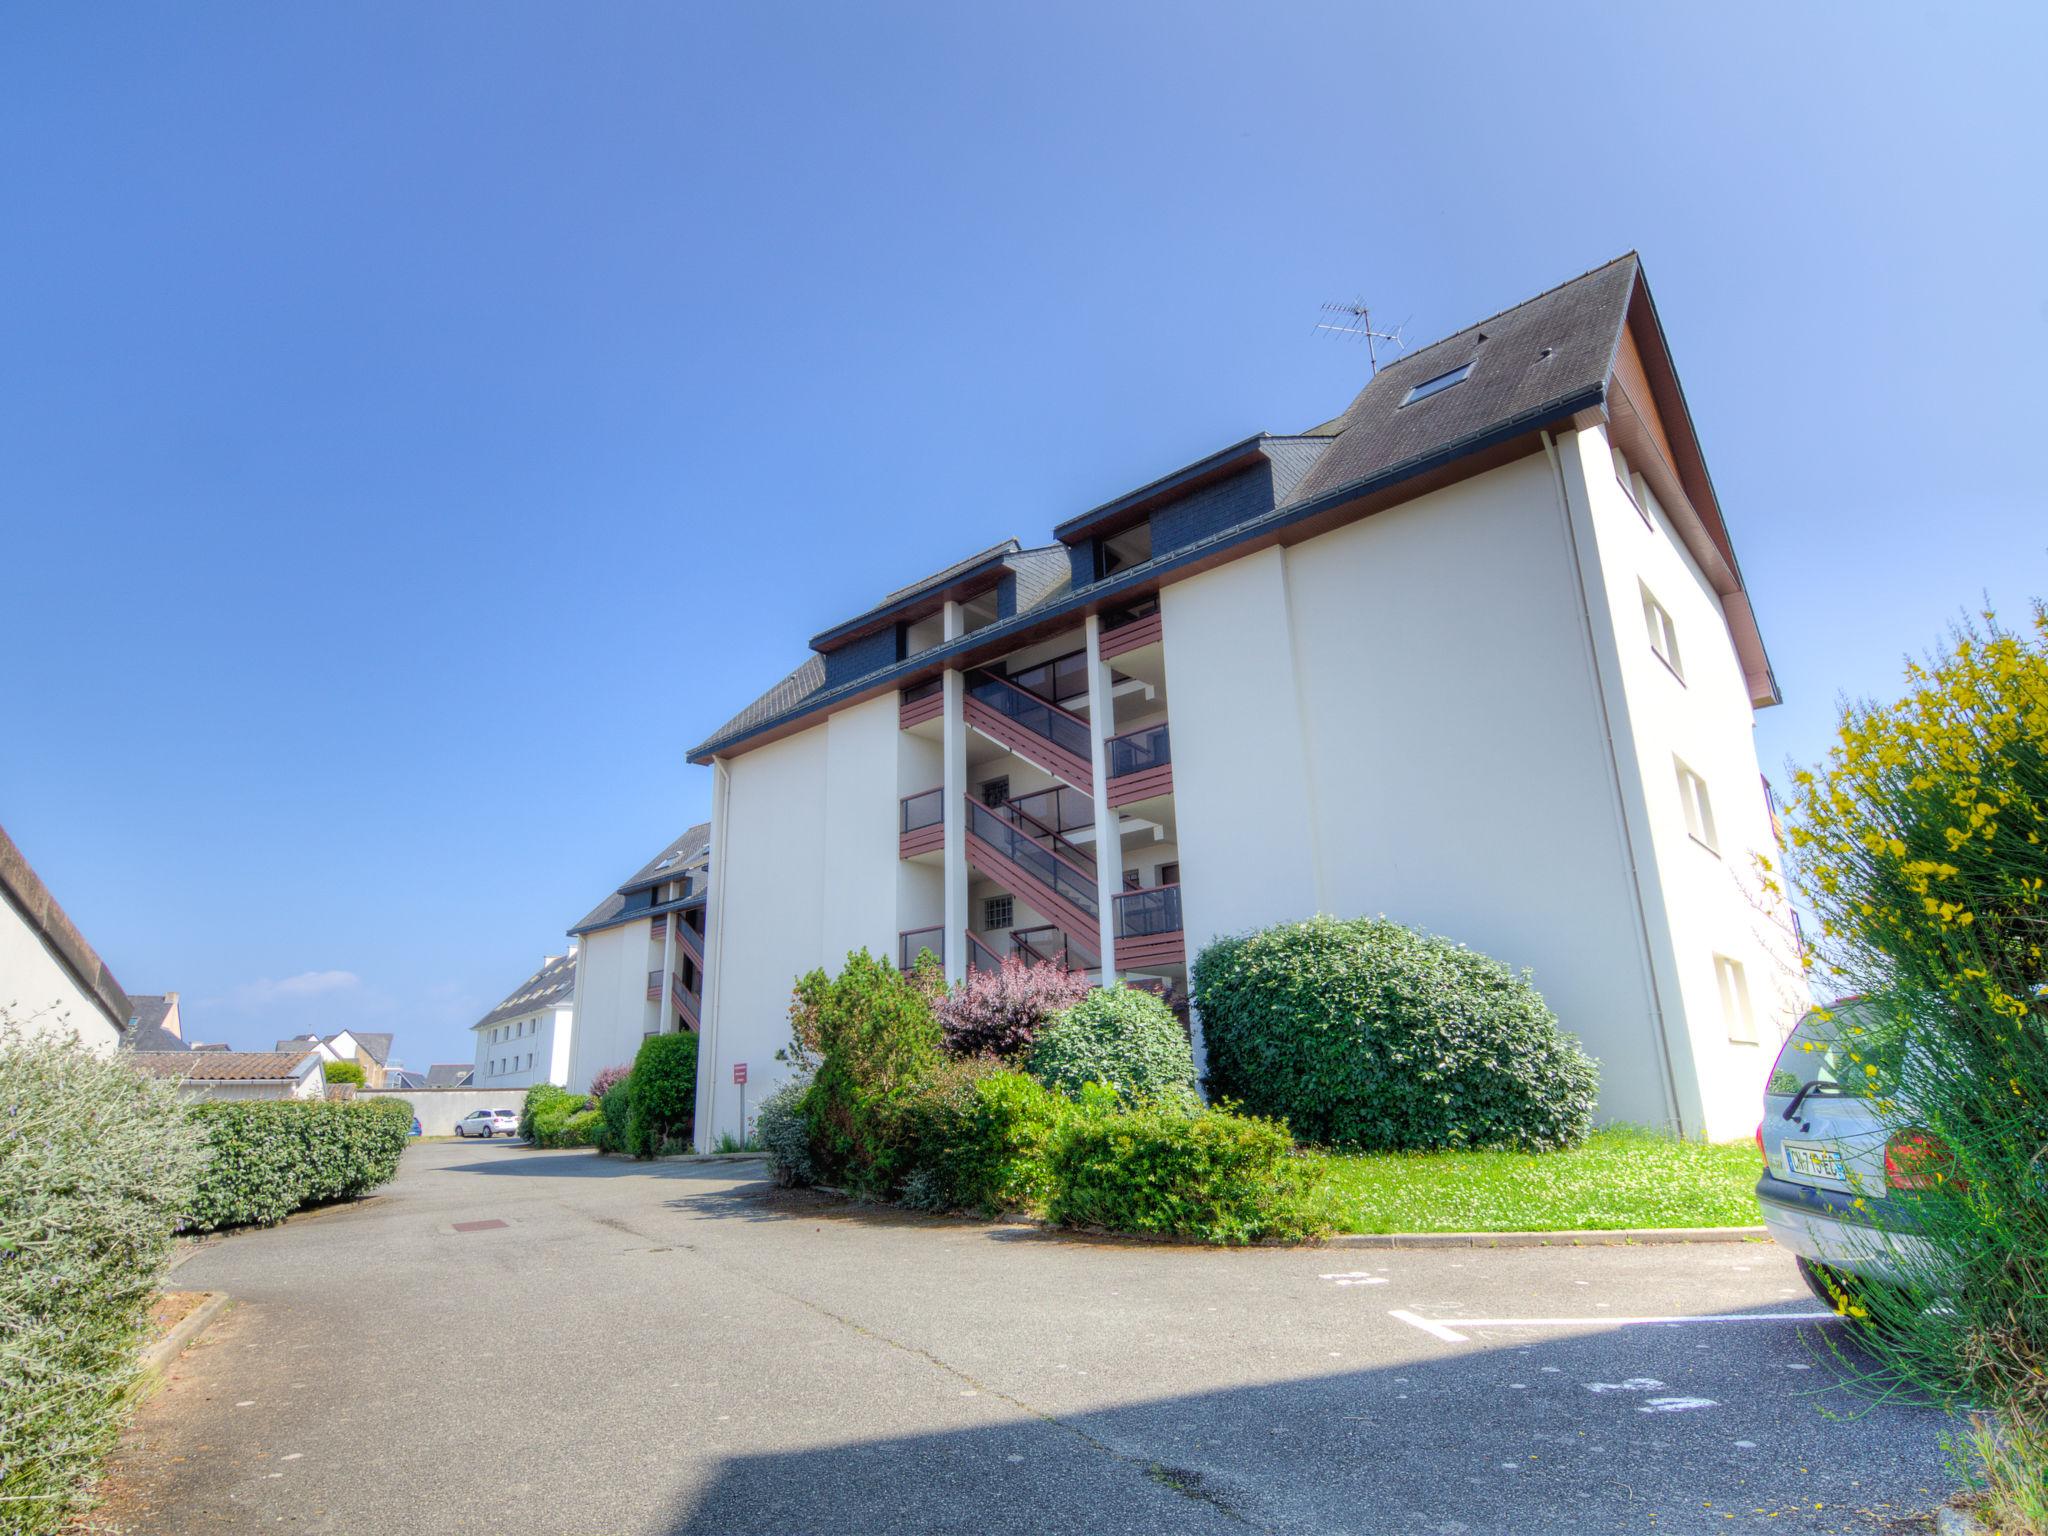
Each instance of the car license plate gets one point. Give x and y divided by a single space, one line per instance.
1812 1162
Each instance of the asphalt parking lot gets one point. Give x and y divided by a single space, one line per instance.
514 1341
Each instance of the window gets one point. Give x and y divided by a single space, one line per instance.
1735 1000
1699 808
1169 874
995 791
1632 486
1122 550
1437 385
996 911
1663 634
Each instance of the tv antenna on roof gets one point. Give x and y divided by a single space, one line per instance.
1353 322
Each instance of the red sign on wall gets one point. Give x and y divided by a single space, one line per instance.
739 1072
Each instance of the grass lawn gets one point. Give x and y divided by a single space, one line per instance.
1621 1177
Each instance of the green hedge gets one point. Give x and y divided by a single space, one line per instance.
1216 1177
1370 1035
874 1040
664 1103
581 1129
1121 1036
550 1097
267 1158
559 1110
983 1136
96 1165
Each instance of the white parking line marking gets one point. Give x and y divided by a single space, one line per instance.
1675 1404
1446 1328
1427 1326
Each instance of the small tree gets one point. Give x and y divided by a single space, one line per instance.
870 1035
1000 1012
1124 1037
606 1079
344 1072
664 1110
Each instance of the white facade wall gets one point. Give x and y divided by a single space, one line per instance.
807 845
612 1014
1713 899
41 995
1405 717
534 1048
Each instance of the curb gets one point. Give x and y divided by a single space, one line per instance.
1619 1237
1953 1520
711 1157
157 1358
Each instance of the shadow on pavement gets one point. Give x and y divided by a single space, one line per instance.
1640 1429
579 1164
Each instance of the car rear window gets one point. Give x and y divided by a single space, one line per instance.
1820 1050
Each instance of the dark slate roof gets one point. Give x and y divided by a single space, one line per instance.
449 1074
665 865
549 987
25 889
299 1043
1043 576
400 1078
146 1032
1532 365
222 1066
991 558
379 1046
1526 362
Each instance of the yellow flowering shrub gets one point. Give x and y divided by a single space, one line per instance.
1921 844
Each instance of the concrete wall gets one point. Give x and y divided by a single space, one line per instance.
41 995
806 836
612 1014
1712 899
1404 716
440 1108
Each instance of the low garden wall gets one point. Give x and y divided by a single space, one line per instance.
440 1108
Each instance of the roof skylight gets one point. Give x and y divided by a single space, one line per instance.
1437 385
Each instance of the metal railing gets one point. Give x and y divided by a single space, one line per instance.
1003 833
925 809
914 941
1063 808
980 957
1061 677
654 985
1036 715
925 689
1140 914
1138 751
1117 618
1046 945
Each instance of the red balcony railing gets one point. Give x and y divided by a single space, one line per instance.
912 942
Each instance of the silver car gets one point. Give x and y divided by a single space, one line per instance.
488 1123
1833 1172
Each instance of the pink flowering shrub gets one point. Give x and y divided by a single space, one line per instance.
608 1078
999 1013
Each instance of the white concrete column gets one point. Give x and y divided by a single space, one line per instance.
668 963
954 723
714 962
1109 843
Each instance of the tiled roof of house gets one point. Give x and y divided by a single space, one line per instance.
26 891
549 987
668 864
1532 364
222 1066
146 1032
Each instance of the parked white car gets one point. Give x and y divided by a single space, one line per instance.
488 1123
1833 1174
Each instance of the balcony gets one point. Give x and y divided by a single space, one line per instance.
921 702
1127 631
1025 856
1147 925
921 823
912 942
1139 764
1043 945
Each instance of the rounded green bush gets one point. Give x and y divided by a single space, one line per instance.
983 1134
1370 1035
615 1112
1121 1036
664 1109
544 1096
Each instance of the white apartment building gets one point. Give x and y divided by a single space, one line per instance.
1476 654
640 967
527 1038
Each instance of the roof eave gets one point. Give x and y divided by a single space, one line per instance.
972 582
1132 504
1141 579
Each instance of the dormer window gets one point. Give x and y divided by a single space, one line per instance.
1437 385
1120 551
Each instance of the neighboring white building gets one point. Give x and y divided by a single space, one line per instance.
651 927
51 981
527 1038
1476 654
237 1074
369 1050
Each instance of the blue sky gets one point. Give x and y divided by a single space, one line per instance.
419 425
